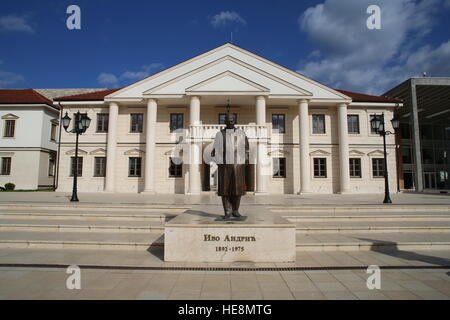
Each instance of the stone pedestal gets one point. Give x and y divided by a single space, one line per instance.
201 237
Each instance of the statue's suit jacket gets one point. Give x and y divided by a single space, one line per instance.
231 155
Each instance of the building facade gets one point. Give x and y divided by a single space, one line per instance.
29 139
154 136
424 135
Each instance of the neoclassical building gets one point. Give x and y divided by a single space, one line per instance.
155 135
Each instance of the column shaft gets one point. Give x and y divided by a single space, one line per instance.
111 147
344 166
305 175
150 149
262 163
195 148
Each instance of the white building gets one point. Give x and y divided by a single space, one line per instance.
28 142
324 143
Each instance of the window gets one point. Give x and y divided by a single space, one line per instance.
134 167
51 167
372 131
318 123
320 167
279 167
405 130
53 132
137 122
6 166
278 123
80 166
378 167
223 116
355 168
353 123
100 167
176 121
175 167
10 126
102 122
407 155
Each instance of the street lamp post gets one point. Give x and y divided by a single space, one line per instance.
81 123
379 126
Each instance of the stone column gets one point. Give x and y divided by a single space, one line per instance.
111 147
262 165
344 166
303 122
150 139
195 148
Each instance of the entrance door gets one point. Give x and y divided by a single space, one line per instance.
429 180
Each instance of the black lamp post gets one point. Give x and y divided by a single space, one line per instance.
379 126
82 122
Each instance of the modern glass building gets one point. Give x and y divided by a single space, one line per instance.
424 137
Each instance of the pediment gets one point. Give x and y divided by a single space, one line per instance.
227 81
278 153
134 152
356 153
98 152
319 153
72 152
377 153
10 116
183 77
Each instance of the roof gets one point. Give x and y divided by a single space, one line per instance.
90 96
24 96
361 97
53 93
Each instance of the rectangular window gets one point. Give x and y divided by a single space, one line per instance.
102 122
372 131
51 167
378 167
100 167
355 168
137 122
278 123
320 167
223 116
134 167
175 168
79 165
176 121
53 132
10 126
353 123
279 167
318 123
6 166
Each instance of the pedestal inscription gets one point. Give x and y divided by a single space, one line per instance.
190 238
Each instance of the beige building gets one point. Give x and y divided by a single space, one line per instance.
305 137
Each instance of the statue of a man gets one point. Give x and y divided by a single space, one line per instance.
231 154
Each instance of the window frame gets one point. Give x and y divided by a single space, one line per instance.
325 176
313 118
349 116
5 132
281 173
373 171
79 164
353 170
139 115
170 121
103 129
96 174
175 167
278 115
51 167
138 167
6 169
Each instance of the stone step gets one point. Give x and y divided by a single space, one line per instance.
88 216
138 208
372 217
364 209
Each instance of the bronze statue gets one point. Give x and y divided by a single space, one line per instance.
231 154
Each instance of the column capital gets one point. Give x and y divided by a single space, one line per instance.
152 100
303 101
343 104
260 98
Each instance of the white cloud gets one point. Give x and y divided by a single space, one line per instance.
145 71
13 23
9 78
107 79
226 18
350 56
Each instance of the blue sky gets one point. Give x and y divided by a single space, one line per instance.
122 41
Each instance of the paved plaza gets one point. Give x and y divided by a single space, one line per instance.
338 237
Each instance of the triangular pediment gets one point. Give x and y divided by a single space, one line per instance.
278 153
98 152
377 153
134 152
227 81
225 69
10 116
319 153
80 152
356 153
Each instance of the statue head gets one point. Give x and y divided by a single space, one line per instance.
230 121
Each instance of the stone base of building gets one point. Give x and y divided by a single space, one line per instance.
201 237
